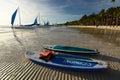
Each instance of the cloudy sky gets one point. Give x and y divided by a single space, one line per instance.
55 11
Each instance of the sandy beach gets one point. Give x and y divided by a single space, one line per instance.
14 65
99 27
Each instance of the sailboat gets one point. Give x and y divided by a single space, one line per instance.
28 26
13 17
46 24
35 23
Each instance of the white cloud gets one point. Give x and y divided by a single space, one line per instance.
6 8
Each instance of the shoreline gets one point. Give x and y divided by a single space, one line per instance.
97 27
104 33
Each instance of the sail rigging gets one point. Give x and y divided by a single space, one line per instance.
14 16
46 23
35 21
19 16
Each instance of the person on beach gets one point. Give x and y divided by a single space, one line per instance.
46 55
97 26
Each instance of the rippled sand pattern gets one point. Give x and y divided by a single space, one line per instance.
14 65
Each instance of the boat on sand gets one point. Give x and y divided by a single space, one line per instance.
68 62
70 49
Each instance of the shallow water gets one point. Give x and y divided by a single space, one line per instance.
14 66
106 35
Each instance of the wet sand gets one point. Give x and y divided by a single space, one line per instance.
14 66
99 27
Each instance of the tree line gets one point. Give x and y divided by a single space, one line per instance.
110 17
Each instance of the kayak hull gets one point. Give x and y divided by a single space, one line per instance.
69 49
71 63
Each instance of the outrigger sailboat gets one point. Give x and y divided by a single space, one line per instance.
46 23
35 23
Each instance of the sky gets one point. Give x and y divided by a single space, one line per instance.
54 11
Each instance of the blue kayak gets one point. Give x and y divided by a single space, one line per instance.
70 49
68 62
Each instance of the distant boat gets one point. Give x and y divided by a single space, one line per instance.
70 49
29 26
34 23
68 62
46 23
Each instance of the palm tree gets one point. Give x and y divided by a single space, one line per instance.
113 1
102 16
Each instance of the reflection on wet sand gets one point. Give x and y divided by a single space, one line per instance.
108 35
14 66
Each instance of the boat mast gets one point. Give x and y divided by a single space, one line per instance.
19 13
39 19
19 16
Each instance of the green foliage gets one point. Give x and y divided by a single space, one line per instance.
113 1
110 17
